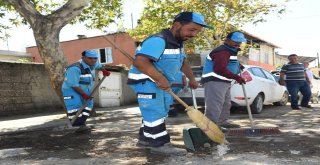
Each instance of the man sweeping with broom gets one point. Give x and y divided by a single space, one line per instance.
221 67
158 59
77 87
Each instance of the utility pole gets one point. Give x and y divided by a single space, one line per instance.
318 59
131 21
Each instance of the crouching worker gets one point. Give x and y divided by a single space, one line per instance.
77 87
158 59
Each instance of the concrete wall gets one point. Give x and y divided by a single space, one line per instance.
26 88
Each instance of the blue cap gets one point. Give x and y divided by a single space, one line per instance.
236 37
90 53
192 17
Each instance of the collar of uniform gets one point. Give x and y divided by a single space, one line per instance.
85 65
170 38
231 48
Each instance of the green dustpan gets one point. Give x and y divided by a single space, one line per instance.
194 138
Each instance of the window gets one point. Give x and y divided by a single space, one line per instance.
257 72
269 76
105 55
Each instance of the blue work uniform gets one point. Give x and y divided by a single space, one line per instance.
80 75
167 55
178 84
216 86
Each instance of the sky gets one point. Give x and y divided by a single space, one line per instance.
297 31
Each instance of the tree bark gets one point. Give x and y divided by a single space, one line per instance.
46 30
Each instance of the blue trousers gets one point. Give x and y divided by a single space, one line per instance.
73 102
294 87
154 107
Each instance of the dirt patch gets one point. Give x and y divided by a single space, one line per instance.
113 140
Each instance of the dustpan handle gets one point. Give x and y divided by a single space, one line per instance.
194 100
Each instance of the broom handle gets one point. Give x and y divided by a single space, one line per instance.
247 103
87 101
120 49
178 99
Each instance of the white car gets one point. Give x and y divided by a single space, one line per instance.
261 89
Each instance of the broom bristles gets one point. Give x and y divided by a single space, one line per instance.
206 125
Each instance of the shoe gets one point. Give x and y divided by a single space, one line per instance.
83 129
168 149
142 143
296 108
229 125
307 106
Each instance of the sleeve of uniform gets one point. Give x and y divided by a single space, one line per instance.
73 77
152 48
97 65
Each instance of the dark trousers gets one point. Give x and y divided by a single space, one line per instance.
294 87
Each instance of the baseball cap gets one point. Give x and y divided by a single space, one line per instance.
236 37
90 53
192 17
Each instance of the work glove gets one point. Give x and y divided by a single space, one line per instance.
240 80
85 96
106 73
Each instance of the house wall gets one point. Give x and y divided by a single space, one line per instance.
26 88
263 57
8 56
72 49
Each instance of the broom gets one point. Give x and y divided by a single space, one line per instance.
207 126
87 101
253 131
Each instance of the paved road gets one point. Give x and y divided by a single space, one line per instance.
46 139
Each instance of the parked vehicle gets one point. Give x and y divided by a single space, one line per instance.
262 88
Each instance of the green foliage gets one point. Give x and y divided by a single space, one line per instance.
224 15
98 15
24 60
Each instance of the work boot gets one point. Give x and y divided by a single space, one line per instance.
229 125
306 106
143 144
83 129
168 149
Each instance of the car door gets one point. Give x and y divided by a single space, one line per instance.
276 89
263 83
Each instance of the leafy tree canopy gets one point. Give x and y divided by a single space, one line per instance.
224 15
98 15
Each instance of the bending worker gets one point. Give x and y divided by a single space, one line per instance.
221 67
158 59
77 87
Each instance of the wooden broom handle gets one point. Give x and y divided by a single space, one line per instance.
178 99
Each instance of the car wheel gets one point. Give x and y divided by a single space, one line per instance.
284 100
257 105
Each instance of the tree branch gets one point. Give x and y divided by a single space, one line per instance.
68 12
26 9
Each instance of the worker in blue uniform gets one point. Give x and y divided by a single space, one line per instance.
158 59
77 87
